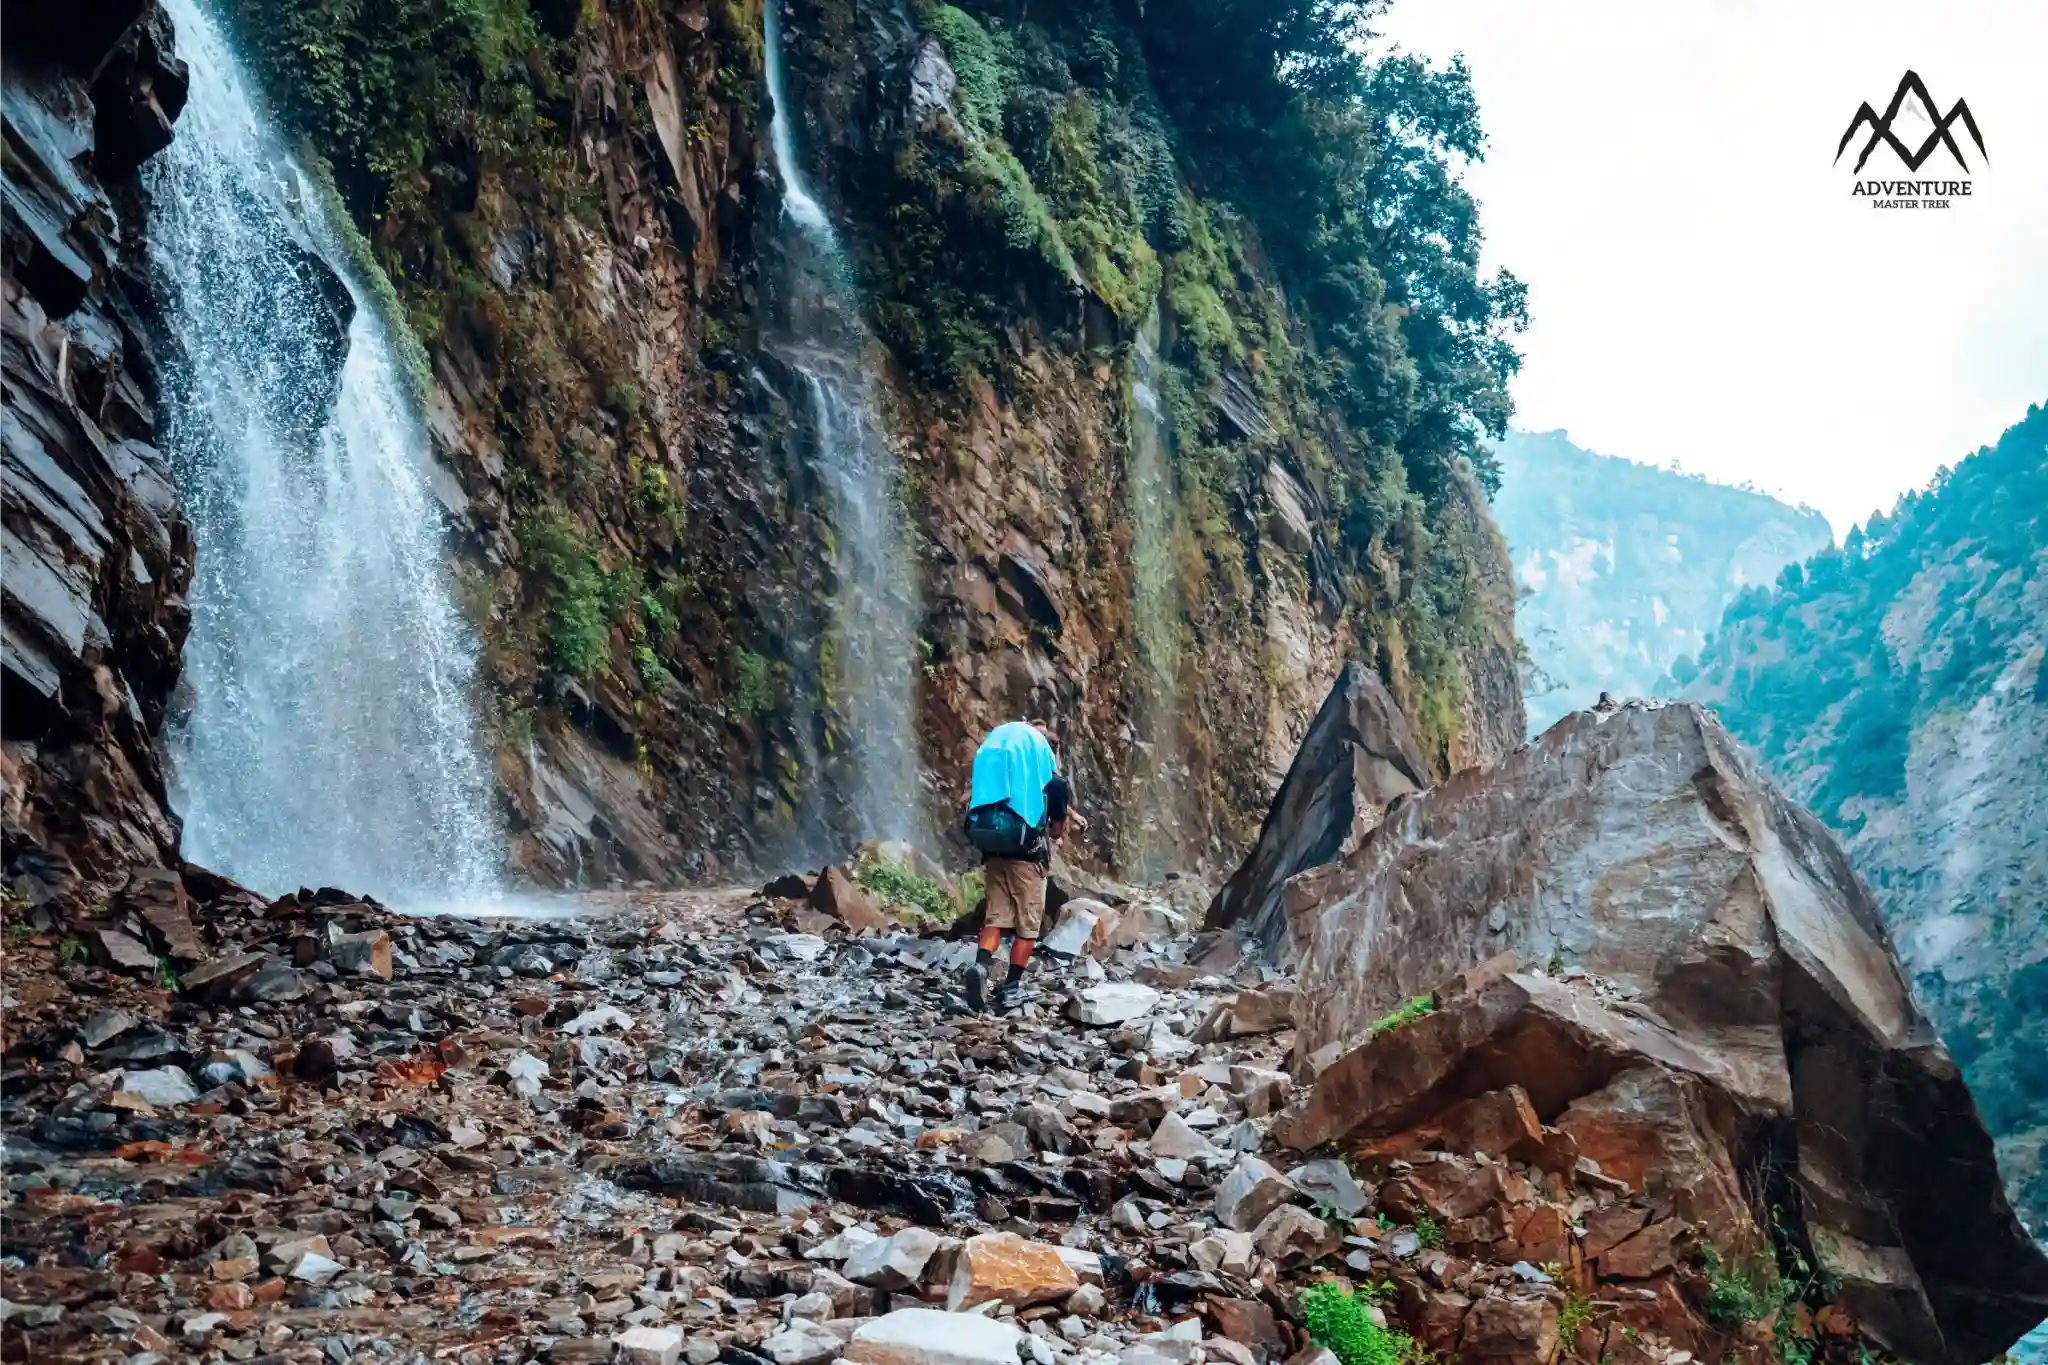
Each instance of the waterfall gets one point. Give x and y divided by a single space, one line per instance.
866 659
326 735
1156 619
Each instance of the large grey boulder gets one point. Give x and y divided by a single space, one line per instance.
1715 934
1358 756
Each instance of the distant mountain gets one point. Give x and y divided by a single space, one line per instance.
1897 685
1624 568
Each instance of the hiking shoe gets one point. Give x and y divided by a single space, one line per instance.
977 989
1009 995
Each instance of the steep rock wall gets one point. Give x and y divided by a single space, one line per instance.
97 555
576 206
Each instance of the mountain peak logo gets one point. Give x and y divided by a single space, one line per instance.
1913 194
1940 136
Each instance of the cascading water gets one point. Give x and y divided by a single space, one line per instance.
866 661
1156 617
329 738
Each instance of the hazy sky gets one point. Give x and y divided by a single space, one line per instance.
1703 287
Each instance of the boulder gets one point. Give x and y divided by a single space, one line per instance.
1252 1190
164 1086
1111 1002
1504 1331
1358 756
1173 1138
925 1336
1731 990
845 900
896 1262
1003 1267
1291 1235
365 954
648 1346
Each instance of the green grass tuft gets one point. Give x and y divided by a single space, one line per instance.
1407 1013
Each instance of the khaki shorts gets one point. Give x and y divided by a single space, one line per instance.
1016 895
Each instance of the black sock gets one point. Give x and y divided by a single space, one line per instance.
984 956
1016 972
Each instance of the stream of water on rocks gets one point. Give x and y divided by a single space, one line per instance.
866 660
325 734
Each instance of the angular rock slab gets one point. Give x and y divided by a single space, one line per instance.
1358 756
925 1336
1112 1002
1644 846
1005 1267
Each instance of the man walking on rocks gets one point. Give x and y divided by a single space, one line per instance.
1019 804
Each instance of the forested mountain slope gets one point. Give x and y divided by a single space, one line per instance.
1623 568
1897 685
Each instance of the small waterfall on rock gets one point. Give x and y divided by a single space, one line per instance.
866 659
328 737
1158 765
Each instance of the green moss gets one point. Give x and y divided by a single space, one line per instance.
750 690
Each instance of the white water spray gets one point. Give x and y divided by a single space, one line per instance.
869 654
329 738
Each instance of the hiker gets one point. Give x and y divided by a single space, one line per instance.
1018 805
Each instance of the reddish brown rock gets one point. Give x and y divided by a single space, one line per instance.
1611 1226
839 896
1004 1267
1504 1331
1501 1123
1543 1237
1248 1322
1649 1252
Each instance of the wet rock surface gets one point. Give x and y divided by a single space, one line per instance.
97 553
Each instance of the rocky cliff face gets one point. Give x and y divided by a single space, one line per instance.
1623 568
96 553
1898 686
587 253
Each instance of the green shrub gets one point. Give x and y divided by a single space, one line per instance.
898 888
1339 1322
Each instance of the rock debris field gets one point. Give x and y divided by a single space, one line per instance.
681 1127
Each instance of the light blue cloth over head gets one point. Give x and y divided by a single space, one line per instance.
1013 764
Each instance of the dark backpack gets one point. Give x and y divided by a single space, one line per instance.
1000 831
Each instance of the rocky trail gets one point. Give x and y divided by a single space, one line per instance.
739 1126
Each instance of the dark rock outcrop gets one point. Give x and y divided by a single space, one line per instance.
1703 935
97 554
1358 756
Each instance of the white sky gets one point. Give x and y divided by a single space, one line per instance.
1702 286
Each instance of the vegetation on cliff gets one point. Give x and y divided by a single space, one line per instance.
1289 207
1898 685
1804 670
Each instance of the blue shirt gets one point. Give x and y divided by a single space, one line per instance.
1013 764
